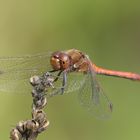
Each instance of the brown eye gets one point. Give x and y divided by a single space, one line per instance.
60 61
55 63
65 61
64 64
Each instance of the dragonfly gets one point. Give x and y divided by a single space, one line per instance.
73 71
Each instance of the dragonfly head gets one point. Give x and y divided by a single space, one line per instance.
60 61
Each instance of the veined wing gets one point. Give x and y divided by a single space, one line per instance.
75 81
16 71
93 98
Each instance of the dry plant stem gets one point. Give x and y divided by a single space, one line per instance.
29 129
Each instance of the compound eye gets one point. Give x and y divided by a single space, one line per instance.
65 61
55 63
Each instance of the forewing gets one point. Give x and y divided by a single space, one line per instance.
16 71
93 98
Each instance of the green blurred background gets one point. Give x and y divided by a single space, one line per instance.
108 31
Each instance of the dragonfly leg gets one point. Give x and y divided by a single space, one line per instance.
59 73
52 71
64 82
57 76
64 79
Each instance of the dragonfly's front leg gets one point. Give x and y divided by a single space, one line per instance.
64 74
64 81
57 76
59 73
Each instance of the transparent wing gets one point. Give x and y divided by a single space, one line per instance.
74 82
16 71
93 98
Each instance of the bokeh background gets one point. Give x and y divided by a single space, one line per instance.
108 31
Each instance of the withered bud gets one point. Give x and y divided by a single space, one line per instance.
44 127
20 127
15 134
35 80
32 125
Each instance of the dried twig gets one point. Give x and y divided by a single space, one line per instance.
29 129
